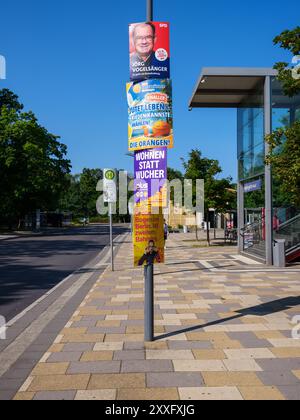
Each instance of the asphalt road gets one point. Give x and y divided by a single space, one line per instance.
30 266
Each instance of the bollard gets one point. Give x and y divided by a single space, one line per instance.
149 303
279 253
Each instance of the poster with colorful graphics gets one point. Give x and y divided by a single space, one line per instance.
148 238
150 178
150 116
149 45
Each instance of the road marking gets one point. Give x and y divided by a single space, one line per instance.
246 260
206 264
47 294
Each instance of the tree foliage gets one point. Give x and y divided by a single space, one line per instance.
33 164
289 76
284 142
219 193
285 158
81 196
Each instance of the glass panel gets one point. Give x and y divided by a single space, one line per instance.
285 110
251 135
254 238
290 231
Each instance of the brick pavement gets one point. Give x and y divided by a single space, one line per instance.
222 325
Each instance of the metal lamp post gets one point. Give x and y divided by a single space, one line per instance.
149 268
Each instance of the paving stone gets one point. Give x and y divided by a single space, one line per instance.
284 342
94 367
23 396
291 392
55 396
94 356
147 366
209 354
134 345
286 353
77 347
245 365
108 346
278 378
86 324
152 394
261 393
156 345
279 364
169 355
129 355
59 383
248 339
106 330
210 393
174 379
65 356
50 369
215 379
114 381
99 395
198 365
84 338
297 373
242 354
189 345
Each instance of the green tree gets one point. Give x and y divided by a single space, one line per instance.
289 40
174 174
9 100
81 195
284 142
88 194
219 193
286 161
33 165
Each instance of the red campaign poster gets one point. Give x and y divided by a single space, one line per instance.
149 46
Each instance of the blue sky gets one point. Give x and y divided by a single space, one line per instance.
68 62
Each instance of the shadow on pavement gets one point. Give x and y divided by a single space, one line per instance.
259 310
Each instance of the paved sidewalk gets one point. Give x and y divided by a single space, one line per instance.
223 327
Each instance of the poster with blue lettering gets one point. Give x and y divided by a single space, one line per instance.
150 178
150 116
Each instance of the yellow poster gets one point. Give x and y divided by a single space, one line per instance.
148 238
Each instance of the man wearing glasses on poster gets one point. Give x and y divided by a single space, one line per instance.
145 62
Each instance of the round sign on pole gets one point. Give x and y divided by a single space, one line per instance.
110 185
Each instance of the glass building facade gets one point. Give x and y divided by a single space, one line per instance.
251 167
265 207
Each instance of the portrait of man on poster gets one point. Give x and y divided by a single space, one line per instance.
146 61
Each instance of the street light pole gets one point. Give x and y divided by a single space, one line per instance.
149 10
149 269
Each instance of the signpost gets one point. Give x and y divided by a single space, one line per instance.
110 196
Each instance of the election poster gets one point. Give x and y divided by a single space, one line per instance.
150 116
149 45
150 178
148 238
